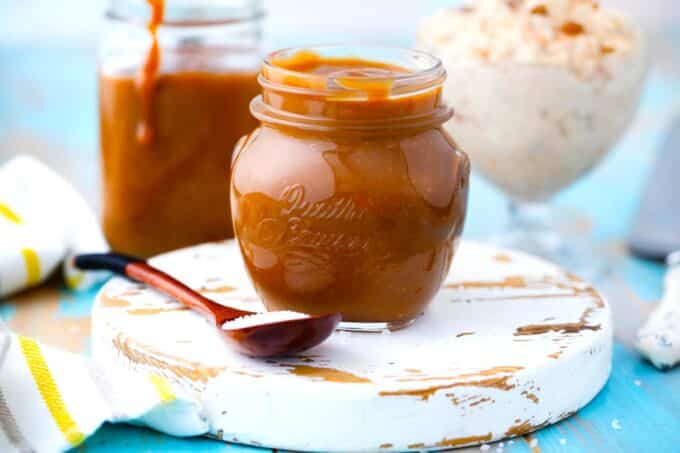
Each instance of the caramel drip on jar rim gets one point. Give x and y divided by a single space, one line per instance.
147 82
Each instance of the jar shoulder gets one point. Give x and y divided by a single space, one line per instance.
425 164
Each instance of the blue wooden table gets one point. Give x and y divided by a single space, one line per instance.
48 109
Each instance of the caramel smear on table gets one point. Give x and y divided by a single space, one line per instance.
37 316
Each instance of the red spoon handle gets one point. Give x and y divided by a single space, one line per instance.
174 288
137 269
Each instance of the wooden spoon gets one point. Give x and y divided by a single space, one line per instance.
259 338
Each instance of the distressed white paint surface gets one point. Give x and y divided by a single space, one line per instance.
510 344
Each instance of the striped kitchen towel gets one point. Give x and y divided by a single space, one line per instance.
42 221
51 401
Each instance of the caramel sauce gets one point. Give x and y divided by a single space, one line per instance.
172 192
218 290
499 382
453 442
538 329
360 89
520 429
567 327
458 441
151 311
508 282
327 374
166 142
572 28
145 355
147 78
480 401
606 50
502 258
108 301
540 10
37 316
464 334
530 396
361 223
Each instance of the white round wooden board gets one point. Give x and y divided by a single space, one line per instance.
509 345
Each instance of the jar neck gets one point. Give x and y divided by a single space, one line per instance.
307 90
211 39
187 13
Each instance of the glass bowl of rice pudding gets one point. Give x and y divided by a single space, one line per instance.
542 90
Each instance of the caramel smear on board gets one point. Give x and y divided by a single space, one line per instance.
327 374
219 290
497 382
508 282
151 311
464 440
568 327
145 355
530 396
109 301
502 258
525 427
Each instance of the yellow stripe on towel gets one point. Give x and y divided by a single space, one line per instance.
32 261
73 281
9 214
163 388
49 391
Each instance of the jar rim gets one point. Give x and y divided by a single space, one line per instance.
424 70
186 13
329 87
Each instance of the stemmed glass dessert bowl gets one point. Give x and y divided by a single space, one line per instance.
536 117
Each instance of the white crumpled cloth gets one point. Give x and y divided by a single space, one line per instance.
43 220
51 401
659 337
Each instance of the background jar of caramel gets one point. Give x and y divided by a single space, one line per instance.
350 197
175 81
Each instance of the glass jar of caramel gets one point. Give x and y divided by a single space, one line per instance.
349 197
175 81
